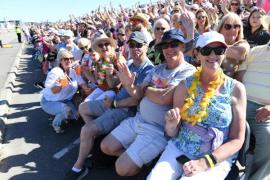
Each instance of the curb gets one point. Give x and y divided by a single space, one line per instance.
6 93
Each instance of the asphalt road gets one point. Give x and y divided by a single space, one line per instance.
7 55
31 145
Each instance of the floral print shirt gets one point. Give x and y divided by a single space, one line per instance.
219 117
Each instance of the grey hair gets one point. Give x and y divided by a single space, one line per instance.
62 52
163 22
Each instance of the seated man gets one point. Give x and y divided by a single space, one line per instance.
111 112
140 139
255 74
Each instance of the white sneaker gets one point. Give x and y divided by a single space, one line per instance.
57 129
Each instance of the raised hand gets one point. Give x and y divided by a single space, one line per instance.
172 120
187 22
126 77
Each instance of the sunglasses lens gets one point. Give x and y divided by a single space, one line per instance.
67 59
229 26
137 45
219 50
105 44
172 44
206 51
160 29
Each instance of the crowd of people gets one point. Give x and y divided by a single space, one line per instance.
174 79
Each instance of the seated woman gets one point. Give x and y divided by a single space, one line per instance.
231 27
233 6
207 122
160 26
60 86
202 23
103 79
254 32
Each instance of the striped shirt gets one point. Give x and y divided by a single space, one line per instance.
257 76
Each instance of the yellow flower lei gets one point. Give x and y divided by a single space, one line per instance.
192 92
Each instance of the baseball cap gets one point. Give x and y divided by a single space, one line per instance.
210 37
173 34
138 37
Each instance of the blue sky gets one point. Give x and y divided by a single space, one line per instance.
54 10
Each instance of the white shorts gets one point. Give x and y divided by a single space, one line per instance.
167 168
143 141
99 94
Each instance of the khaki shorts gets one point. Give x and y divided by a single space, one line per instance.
143 141
107 118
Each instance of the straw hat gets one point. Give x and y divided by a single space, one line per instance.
101 37
142 17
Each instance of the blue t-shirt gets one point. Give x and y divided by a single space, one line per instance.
140 71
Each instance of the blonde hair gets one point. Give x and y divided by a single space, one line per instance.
207 24
84 42
233 19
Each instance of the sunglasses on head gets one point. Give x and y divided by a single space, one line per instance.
160 29
234 4
135 45
68 59
172 44
230 26
219 50
104 44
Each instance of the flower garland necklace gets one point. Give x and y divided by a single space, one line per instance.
205 101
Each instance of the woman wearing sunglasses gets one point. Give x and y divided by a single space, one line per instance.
231 28
234 6
202 23
102 71
207 123
61 84
160 26
255 33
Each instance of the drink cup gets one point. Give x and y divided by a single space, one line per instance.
78 70
64 82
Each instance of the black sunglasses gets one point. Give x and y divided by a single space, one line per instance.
67 59
172 44
201 17
234 4
219 50
230 26
135 45
160 29
105 44
83 48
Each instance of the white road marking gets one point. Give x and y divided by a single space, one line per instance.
65 150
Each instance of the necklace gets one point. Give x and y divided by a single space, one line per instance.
205 101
